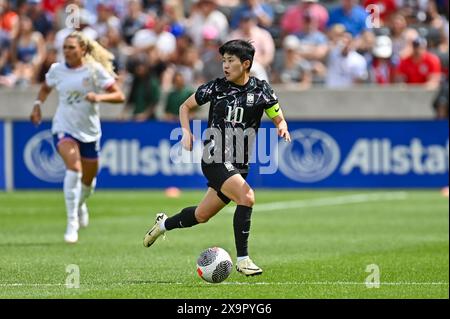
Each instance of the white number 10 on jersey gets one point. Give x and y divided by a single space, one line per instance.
236 115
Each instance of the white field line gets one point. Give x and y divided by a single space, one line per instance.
287 283
328 201
304 203
340 283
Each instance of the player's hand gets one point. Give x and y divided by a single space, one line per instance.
36 115
92 97
187 141
284 133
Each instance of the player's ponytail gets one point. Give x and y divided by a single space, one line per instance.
95 52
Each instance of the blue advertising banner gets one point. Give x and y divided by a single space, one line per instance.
323 154
2 156
36 161
349 154
133 155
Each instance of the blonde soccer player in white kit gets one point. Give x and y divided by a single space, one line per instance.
87 71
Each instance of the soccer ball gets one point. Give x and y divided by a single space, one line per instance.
214 265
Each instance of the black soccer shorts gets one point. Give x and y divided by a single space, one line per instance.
217 174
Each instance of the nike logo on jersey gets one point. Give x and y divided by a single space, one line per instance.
221 97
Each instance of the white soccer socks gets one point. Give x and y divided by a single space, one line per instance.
72 192
86 192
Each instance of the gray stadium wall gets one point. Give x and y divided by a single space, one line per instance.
393 102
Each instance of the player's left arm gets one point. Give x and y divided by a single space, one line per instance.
113 95
277 117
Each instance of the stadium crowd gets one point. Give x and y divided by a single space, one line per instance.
171 46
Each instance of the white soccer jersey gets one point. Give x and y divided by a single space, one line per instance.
75 115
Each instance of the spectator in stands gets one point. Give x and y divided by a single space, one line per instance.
9 20
292 20
443 7
183 42
402 37
159 68
351 15
52 6
4 45
381 69
346 67
313 46
364 45
292 68
384 9
156 34
115 44
165 41
154 6
434 19
440 102
413 10
422 67
119 7
228 3
262 11
134 20
50 58
191 66
203 13
174 11
335 33
42 21
261 40
105 19
438 34
144 94
438 45
179 93
27 52
7 78
210 56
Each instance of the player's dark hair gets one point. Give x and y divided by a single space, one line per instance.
244 50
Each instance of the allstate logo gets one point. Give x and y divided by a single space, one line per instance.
311 156
42 158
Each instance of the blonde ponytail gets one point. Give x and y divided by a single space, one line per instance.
95 52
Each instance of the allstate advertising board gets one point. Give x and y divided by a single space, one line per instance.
322 154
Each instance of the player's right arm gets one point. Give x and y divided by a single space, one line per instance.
185 109
273 111
36 115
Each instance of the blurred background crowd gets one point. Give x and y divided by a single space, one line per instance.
168 47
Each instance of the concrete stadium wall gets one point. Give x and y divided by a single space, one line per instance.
317 103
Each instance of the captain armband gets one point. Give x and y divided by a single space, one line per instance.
273 111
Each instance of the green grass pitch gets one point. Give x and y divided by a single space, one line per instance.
311 244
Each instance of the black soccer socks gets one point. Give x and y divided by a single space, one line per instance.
241 225
186 218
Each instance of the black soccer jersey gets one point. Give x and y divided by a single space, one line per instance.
234 118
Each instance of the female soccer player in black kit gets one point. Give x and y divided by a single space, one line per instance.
237 103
